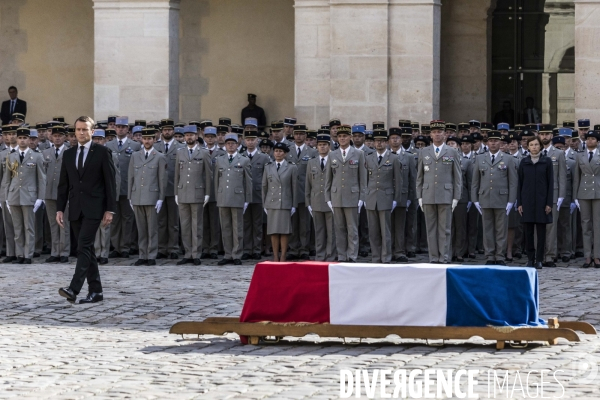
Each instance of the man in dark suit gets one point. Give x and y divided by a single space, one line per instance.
14 105
87 182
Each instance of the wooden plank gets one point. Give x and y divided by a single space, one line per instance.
582 326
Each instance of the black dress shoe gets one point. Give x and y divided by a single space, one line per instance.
490 262
471 256
460 259
221 253
197 261
312 253
92 298
160 256
508 259
502 263
101 260
305 256
411 254
114 254
151 261
237 261
52 259
435 262
9 259
402 259
26 261
529 264
185 261
256 256
141 261
538 265
125 254
518 256
134 252
454 258
363 253
245 256
204 256
174 256
350 260
588 265
549 264
18 260
225 261
68 294
566 258
479 251
36 255
578 254
213 256
65 259
596 265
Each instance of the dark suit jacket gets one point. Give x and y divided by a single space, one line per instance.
20 107
92 193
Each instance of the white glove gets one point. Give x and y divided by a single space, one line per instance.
292 211
469 204
266 211
408 202
509 207
360 204
8 207
37 205
206 198
131 204
454 203
158 205
245 206
176 200
576 203
559 202
478 207
421 204
330 206
572 207
394 204
310 210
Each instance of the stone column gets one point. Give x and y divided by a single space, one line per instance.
312 62
414 59
587 60
136 58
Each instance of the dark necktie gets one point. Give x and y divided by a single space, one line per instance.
210 152
191 151
13 150
278 165
344 153
493 158
322 164
56 155
230 159
393 152
590 157
12 106
120 144
380 157
166 148
22 156
146 155
80 159
299 151
545 153
250 156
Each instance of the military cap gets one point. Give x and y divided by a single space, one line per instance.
380 134
487 126
110 132
102 124
519 127
167 123
225 121
545 128
289 121
237 129
263 135
251 122
267 142
378 125
404 123
181 125
594 134
324 131
406 131
527 133
59 119
514 136
503 126
98 133
149 132
50 124
322 137
140 122
251 95
131 125
334 122
153 124
575 134
450 126
369 135
393 131
568 124
23 131
300 128
178 130
532 127
463 126
468 139
111 118
231 136
477 137
558 139
122 121
358 129
505 138
204 123
33 133
344 129
596 127
437 124
59 129
71 130
276 125
425 128
251 134
455 139
311 134
325 126
137 128
554 131
414 125
583 123
494 134
222 128
18 117
281 146
9 128
474 123
210 130
40 125
190 129
422 138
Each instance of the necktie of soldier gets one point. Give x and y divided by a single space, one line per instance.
545 153
120 144
13 150
56 154
590 157
299 151
22 156
166 148
230 159
278 165
380 157
250 156
210 152
437 152
344 154
80 159
493 158
322 164
146 155
191 151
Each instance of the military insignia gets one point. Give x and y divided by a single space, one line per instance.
502 167
305 158
426 168
387 163
334 161
427 158
447 159
353 162
553 158
128 150
30 164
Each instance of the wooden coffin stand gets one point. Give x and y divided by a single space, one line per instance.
266 332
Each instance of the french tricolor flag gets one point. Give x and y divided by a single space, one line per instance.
393 294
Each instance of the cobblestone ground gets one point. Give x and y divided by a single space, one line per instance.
121 348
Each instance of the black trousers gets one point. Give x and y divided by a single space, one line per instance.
87 265
533 254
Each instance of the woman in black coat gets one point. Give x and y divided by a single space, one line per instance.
534 197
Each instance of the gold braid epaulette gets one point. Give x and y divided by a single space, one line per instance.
14 168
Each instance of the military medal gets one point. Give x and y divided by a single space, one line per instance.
426 168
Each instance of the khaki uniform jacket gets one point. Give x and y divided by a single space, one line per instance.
280 188
170 158
146 178
409 177
30 183
307 154
586 179
559 168
257 164
384 184
315 186
439 181
216 153
345 181
124 156
115 159
494 185
571 165
233 181
193 176
52 167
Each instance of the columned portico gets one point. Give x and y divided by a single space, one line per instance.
136 58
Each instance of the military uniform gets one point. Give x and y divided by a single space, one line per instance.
384 190
102 239
211 237
168 217
565 237
364 245
61 238
325 249
494 187
345 187
23 191
253 217
586 189
559 169
123 220
460 240
439 182
192 181
280 196
146 182
233 188
9 229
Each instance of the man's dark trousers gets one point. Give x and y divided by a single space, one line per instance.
87 265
